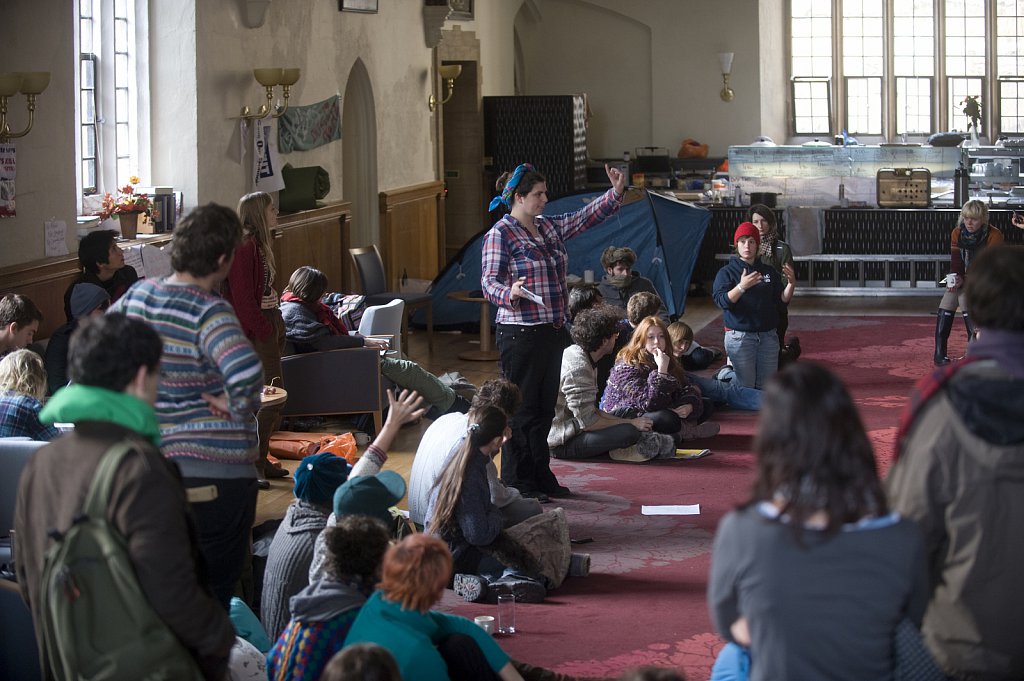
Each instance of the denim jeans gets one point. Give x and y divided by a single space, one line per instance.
731 393
754 355
732 664
531 357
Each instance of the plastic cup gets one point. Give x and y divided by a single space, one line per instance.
485 622
506 614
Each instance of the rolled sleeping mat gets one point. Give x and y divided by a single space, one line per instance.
302 187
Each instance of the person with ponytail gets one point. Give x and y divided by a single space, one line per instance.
525 261
250 290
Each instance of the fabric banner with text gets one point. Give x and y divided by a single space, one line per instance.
308 127
267 175
8 169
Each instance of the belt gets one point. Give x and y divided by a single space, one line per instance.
554 325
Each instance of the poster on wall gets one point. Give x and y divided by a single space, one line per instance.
267 175
8 169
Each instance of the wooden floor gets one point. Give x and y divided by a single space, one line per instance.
699 311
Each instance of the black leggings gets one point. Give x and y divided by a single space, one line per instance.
465 660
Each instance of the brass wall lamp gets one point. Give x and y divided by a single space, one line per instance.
30 84
271 78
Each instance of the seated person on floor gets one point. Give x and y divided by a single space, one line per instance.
691 354
362 662
324 610
102 263
291 551
442 440
115 366
369 490
730 393
19 321
586 297
311 326
487 558
87 300
620 283
428 645
581 430
22 386
647 381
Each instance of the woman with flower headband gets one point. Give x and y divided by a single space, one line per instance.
250 290
524 266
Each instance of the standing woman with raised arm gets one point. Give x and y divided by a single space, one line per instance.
250 290
524 257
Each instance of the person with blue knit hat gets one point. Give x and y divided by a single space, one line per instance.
291 552
86 300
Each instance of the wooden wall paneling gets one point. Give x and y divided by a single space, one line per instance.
45 280
319 238
412 231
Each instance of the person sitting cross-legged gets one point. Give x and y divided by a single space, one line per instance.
581 430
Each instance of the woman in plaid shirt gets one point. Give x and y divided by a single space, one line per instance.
524 258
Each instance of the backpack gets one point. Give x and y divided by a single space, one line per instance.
96 623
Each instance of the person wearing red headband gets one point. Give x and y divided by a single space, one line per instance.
749 291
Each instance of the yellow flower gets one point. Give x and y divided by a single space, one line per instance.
134 179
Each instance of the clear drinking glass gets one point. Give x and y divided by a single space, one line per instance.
506 613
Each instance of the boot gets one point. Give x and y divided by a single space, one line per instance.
943 325
972 330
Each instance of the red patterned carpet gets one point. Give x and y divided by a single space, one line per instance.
644 602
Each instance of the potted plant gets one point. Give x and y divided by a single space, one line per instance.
972 109
127 206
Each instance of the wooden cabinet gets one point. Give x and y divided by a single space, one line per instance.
319 238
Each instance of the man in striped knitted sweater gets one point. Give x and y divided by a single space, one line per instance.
209 392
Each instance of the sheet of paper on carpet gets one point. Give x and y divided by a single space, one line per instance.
683 509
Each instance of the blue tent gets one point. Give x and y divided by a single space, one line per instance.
665 233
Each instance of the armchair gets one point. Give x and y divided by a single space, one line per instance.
334 382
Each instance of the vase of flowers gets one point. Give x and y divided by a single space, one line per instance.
128 207
972 109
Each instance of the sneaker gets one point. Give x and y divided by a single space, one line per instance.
700 431
725 374
472 588
558 491
629 454
793 346
579 565
525 590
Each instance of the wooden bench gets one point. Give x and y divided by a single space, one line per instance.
936 266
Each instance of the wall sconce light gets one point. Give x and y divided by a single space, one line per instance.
725 59
448 73
29 84
269 78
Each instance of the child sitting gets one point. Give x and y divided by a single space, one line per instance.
689 352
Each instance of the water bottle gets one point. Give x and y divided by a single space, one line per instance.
961 186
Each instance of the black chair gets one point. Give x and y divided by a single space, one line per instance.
19 654
14 455
370 267
334 382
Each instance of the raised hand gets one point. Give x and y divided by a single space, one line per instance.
406 407
617 178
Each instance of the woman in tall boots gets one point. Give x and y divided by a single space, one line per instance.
971 234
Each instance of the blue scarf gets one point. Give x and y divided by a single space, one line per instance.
505 197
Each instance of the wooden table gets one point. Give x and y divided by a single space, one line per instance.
486 353
273 399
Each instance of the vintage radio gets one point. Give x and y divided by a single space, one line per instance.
904 187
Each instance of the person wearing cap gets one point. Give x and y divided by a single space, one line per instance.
748 291
291 551
524 260
620 282
87 300
369 490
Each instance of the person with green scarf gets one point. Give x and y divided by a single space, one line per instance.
114 364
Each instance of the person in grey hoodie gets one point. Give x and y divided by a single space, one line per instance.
291 551
620 282
323 612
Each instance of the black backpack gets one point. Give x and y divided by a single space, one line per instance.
96 622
